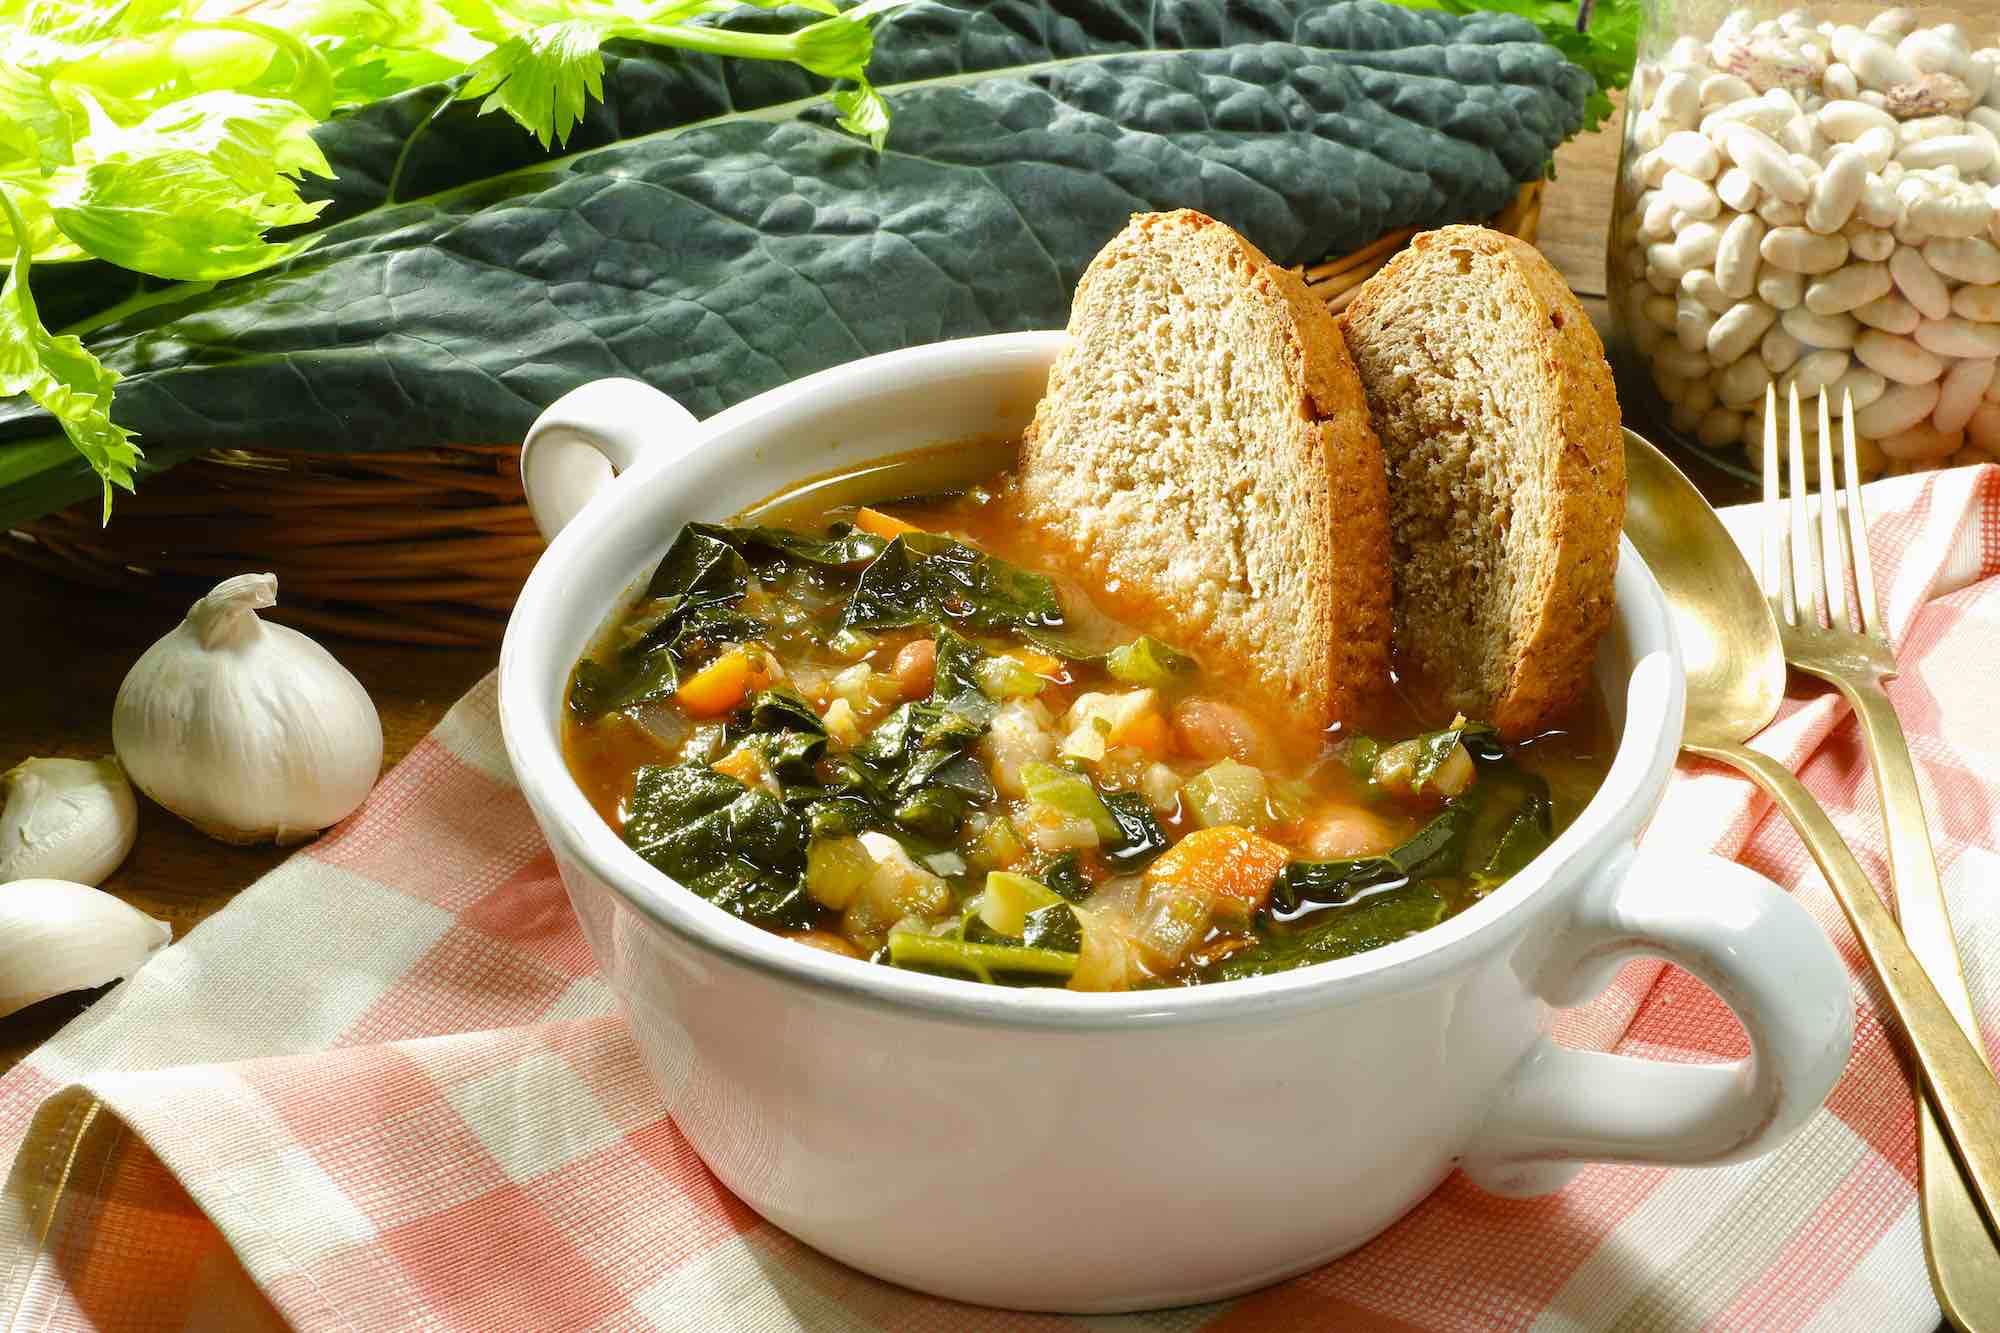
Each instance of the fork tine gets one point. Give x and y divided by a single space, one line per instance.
1805 539
1827 499
1857 527
1777 578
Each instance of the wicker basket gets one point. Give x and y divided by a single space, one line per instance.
428 546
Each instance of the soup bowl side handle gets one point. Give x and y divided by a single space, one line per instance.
1741 936
584 438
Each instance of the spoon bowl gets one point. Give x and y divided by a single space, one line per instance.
1729 638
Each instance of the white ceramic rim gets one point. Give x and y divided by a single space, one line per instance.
1615 816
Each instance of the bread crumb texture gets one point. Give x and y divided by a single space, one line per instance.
1497 415
1204 451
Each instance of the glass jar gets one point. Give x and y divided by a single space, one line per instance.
1811 198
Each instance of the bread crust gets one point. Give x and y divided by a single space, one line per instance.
1553 647
1346 627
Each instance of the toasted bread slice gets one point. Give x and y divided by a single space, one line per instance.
1495 407
1204 450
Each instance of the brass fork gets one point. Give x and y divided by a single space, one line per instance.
1850 650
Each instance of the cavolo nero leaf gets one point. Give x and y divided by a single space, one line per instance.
713 231
921 577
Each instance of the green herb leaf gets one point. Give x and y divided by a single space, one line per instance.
71 385
542 77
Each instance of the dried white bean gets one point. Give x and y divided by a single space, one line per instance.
1921 443
1671 386
1985 117
1661 282
1656 217
1678 102
1878 146
1891 314
1698 243
1871 244
1906 233
1970 153
1953 336
1893 23
1663 258
1837 191
1933 53
1900 407
1978 76
1847 287
1768 164
1839 81
1879 206
1984 428
1960 392
1754 112
1860 386
1920 283
1737 190
1952 210
1846 121
1700 284
1895 356
1718 89
1678 360
1825 331
1659 309
1802 251
1779 350
1977 303
1695 198
1965 258
1692 321
1683 418
1719 427
1737 330
1650 169
1699 397
1779 288
1876 63
1801 138
1691 154
1814 372
1743 383
1927 127
1737 256
1777 213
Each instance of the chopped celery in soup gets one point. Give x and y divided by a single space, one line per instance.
903 735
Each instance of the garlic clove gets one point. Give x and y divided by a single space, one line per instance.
71 819
56 936
248 730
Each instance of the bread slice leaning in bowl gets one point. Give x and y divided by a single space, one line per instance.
1204 450
1497 415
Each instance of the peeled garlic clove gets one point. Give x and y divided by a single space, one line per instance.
71 819
56 936
249 731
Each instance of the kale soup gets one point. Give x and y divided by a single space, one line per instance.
902 733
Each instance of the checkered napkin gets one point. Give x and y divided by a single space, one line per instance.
385 1089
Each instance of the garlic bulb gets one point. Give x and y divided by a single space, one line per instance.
65 819
249 731
56 936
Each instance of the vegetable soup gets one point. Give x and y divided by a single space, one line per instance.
902 734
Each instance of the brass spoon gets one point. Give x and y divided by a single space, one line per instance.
1735 681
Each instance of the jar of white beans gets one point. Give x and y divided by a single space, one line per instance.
1811 198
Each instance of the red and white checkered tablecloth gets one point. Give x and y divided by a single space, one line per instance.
384 1089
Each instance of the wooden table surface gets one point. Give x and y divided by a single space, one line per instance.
74 645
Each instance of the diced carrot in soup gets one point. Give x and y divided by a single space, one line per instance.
1147 731
718 687
1222 862
886 526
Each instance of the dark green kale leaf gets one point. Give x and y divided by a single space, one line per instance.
922 577
1526 836
922 757
1064 875
736 846
1140 836
689 609
956 684
844 547
1053 927
1435 850
1375 920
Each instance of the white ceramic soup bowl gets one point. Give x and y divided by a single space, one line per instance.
1102 1152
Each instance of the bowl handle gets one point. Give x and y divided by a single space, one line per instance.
1746 940
588 435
